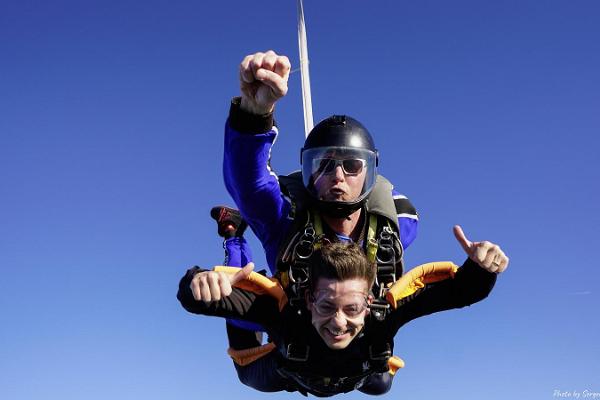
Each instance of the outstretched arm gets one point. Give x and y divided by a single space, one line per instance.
473 282
212 293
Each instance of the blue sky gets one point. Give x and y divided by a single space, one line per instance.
486 114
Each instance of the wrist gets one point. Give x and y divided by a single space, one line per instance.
244 121
251 107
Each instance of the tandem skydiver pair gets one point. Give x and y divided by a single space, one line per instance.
301 219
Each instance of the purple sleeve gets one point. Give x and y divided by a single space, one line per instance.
408 218
408 230
237 252
255 188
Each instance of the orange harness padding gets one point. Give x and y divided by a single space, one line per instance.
395 363
248 356
258 284
408 284
417 278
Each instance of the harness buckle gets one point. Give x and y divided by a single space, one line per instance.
380 355
386 258
379 309
297 352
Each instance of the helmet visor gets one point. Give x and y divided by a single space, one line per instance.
339 174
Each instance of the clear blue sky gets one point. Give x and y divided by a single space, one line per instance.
486 114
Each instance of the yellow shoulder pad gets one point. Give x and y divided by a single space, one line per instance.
418 277
258 284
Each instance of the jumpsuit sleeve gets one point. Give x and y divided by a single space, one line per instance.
241 304
249 179
408 218
470 285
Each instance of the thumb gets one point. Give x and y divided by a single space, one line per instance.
242 274
462 239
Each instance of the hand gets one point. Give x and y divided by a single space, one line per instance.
488 255
210 286
263 81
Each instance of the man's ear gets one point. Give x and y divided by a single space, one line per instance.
307 299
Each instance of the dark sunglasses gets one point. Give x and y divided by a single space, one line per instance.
350 166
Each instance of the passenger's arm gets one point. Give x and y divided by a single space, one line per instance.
472 283
239 303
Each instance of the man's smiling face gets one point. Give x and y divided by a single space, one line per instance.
338 310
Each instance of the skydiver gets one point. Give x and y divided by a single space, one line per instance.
337 343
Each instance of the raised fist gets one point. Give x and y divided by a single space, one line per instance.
263 81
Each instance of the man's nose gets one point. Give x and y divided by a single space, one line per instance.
338 173
339 319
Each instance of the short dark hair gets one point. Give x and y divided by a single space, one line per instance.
340 261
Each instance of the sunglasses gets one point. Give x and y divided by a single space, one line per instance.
350 166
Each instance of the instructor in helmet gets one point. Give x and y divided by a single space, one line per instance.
339 169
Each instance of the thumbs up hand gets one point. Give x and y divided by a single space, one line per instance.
210 286
487 255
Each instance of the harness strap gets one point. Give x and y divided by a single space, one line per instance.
258 284
248 356
318 228
371 247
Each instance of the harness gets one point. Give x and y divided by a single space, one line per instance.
381 242
382 245
373 352
298 360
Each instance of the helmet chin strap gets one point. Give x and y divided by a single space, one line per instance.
339 210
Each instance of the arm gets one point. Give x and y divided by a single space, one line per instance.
249 135
472 283
203 292
248 177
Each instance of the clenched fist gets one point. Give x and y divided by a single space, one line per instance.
263 81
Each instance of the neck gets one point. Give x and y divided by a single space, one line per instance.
348 226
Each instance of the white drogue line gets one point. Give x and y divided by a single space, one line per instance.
303 48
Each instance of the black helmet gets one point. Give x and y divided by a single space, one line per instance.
339 140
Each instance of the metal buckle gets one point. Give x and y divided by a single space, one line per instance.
293 353
379 309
